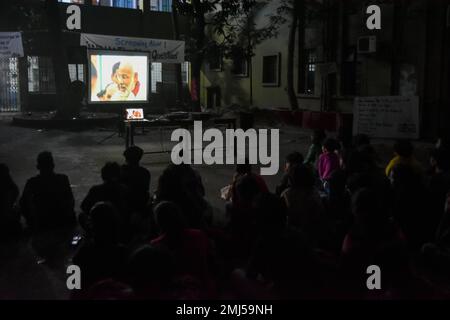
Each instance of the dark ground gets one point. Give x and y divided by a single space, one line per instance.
81 155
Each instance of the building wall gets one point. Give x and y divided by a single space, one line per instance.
94 19
236 89
410 59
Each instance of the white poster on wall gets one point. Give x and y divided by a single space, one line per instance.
165 51
387 117
11 44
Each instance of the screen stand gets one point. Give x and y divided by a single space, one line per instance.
120 125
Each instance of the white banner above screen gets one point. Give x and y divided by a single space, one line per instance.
165 51
387 117
11 44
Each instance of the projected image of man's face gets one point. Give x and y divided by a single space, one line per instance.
124 77
119 78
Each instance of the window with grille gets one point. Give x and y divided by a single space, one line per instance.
130 4
161 5
76 72
41 77
309 71
185 67
10 87
156 75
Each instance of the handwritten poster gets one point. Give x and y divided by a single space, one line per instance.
11 44
387 117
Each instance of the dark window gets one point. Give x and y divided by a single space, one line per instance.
41 77
215 59
240 67
271 70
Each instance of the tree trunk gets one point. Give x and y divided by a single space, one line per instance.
291 49
60 61
250 73
249 55
198 55
178 78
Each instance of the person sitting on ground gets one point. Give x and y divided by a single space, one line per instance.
315 149
109 289
243 170
47 201
304 205
374 239
281 263
100 256
439 181
362 158
47 204
403 154
136 178
190 247
328 161
362 169
292 159
182 185
338 208
9 192
411 205
239 211
150 272
338 198
111 190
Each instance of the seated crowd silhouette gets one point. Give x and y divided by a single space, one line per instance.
335 212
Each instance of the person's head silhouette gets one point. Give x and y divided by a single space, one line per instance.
111 172
169 218
133 155
104 225
45 163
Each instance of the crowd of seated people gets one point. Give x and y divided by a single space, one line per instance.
332 215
